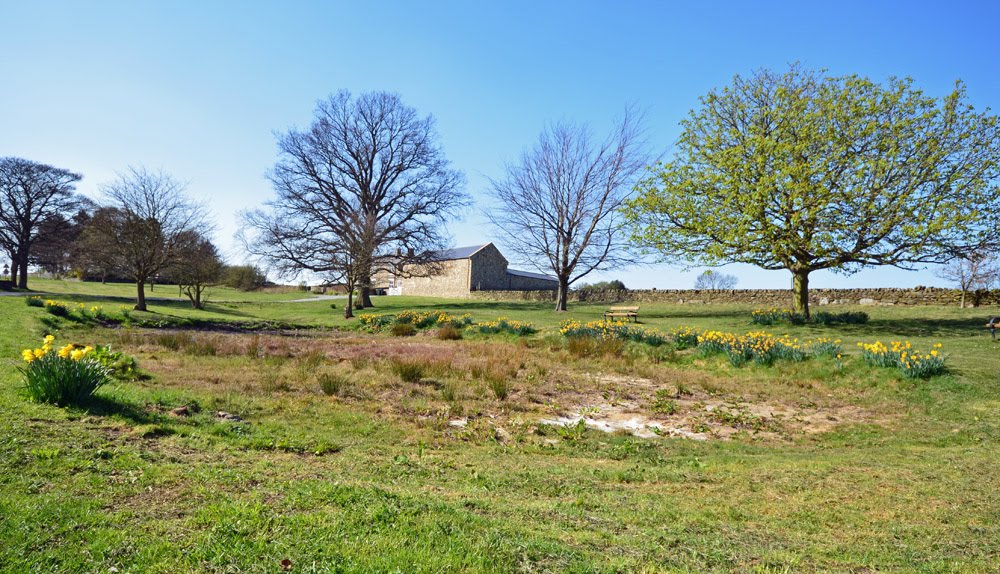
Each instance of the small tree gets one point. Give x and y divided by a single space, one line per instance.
96 253
30 193
715 281
197 267
153 223
559 206
803 172
973 272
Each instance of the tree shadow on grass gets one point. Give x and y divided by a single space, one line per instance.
916 327
105 406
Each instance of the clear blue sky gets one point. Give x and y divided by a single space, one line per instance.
198 88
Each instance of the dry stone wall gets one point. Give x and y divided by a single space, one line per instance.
760 297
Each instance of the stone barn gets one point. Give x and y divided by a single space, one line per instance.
463 270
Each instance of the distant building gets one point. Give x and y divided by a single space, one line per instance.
464 270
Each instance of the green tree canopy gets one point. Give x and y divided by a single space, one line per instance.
802 171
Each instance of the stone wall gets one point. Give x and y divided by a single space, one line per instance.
761 297
522 283
451 279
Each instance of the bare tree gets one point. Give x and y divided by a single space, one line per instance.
973 272
197 267
366 189
153 224
558 207
30 193
715 281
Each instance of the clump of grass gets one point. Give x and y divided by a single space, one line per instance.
449 391
174 341
586 346
449 333
403 330
501 387
359 362
407 370
34 302
270 379
332 383
254 349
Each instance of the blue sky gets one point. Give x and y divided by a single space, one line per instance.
199 88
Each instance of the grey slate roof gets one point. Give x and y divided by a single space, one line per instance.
530 274
457 253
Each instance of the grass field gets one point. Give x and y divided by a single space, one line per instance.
340 462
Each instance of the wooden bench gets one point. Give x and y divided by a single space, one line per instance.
627 312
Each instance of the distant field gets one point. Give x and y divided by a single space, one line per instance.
342 462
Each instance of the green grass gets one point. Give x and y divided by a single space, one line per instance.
369 479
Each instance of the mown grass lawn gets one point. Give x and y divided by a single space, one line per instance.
375 477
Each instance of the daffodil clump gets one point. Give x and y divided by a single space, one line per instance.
64 376
425 320
504 325
57 308
764 348
685 338
774 316
621 330
79 312
912 363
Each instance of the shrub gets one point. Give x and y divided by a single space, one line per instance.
244 277
66 377
613 285
403 330
34 302
449 333
408 371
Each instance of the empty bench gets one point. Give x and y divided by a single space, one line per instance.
627 312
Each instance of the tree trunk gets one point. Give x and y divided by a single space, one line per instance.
562 294
366 297
22 279
349 308
800 292
140 296
13 270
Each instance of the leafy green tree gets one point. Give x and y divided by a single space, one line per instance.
802 171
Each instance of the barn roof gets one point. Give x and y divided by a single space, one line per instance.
457 253
530 275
